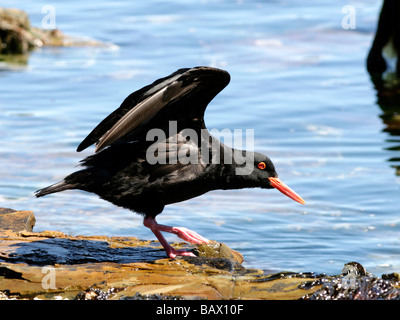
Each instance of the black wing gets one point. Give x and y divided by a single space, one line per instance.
183 95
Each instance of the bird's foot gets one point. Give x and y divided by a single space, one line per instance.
181 232
189 235
172 253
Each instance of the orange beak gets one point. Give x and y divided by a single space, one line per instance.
278 184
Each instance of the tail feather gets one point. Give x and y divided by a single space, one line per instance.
57 187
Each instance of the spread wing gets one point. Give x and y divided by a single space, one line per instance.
183 95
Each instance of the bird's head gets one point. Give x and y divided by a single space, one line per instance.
265 175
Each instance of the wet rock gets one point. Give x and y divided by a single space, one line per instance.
355 283
94 294
217 255
215 249
354 269
139 296
395 277
53 265
158 279
48 248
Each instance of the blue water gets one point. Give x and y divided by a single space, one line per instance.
298 79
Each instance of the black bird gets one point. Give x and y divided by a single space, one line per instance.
155 150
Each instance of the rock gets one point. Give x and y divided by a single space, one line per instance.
360 288
171 279
124 268
218 250
355 283
392 276
16 220
18 37
51 265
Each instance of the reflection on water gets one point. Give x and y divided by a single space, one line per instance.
383 65
388 99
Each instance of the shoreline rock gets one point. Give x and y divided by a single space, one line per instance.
51 265
16 220
27 272
18 37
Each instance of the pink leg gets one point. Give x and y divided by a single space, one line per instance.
181 232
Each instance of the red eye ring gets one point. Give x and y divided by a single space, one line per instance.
261 165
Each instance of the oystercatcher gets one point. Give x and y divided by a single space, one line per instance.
142 165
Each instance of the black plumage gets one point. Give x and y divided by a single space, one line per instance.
133 171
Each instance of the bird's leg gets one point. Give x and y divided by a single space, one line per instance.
181 232
171 252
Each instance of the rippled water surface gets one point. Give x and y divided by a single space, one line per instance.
298 79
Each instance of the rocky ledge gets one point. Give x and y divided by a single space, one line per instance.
52 265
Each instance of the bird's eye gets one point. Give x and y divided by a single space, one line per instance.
261 165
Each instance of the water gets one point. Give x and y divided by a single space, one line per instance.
298 80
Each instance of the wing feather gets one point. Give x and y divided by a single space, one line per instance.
188 90
143 112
